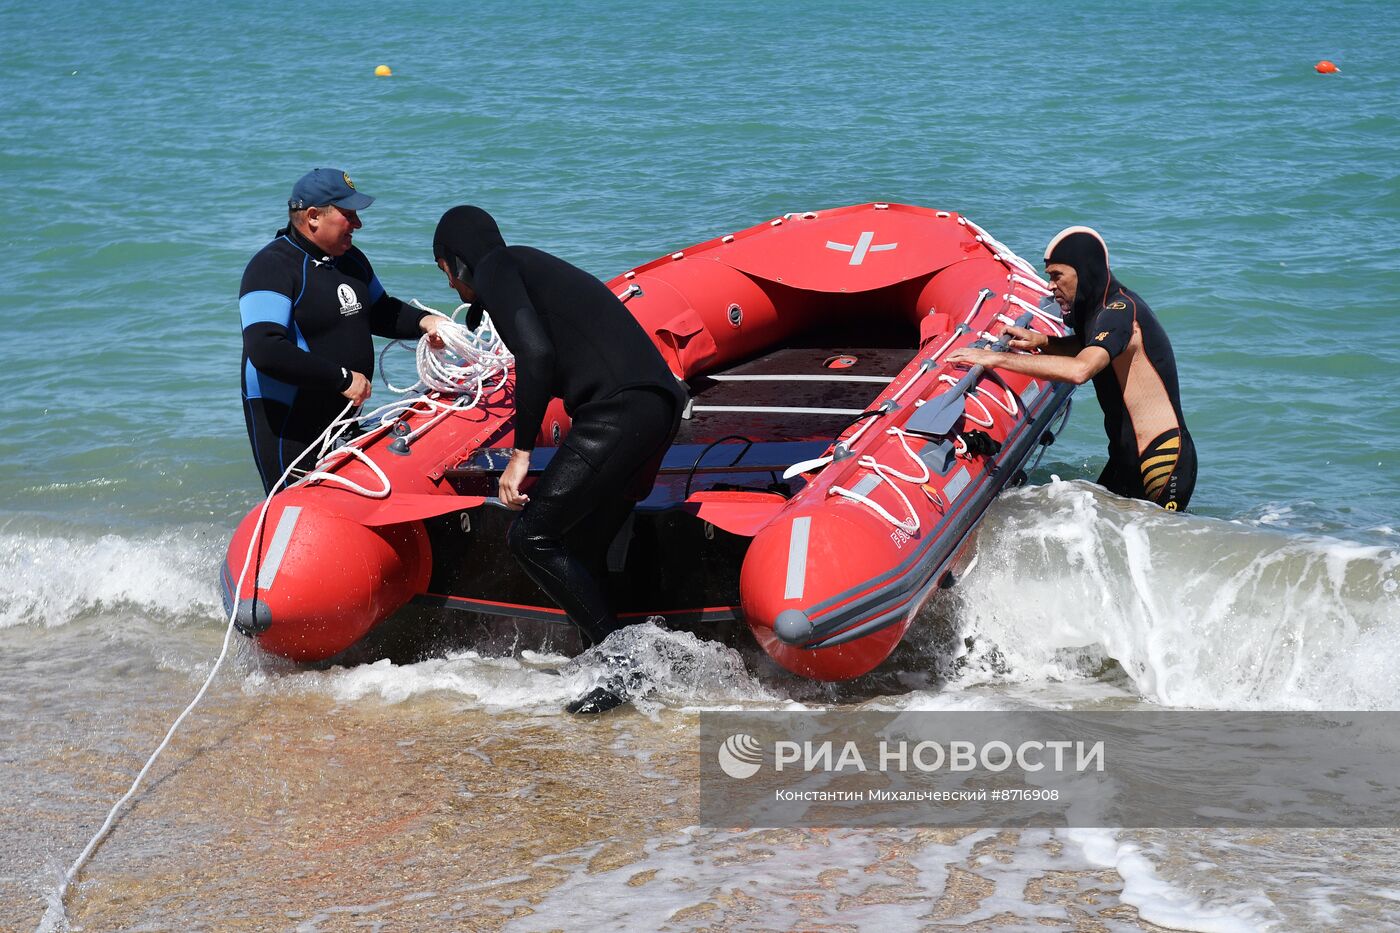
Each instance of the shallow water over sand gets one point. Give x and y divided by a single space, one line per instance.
453 793
297 811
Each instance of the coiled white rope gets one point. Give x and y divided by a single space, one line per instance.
465 361
463 366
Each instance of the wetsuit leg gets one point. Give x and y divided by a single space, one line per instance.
273 451
1168 470
610 447
1120 477
591 539
536 540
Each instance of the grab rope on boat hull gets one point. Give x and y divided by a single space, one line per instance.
888 475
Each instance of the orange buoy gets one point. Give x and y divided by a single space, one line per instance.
1325 67
384 71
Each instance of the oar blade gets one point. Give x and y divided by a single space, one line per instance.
937 417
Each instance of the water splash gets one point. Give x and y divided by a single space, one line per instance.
669 669
52 580
673 669
1197 612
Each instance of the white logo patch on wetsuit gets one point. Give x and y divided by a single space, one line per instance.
349 303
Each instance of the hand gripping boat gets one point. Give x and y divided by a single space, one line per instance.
827 473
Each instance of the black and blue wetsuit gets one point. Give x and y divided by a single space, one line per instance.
307 321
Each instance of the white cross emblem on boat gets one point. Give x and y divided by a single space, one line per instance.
861 248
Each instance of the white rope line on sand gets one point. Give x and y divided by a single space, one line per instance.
473 359
56 913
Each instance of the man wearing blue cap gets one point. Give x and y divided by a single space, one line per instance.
310 302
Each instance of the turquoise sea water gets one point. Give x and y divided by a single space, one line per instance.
148 150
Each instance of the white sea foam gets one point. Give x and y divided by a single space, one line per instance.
1287 879
697 866
52 580
856 877
665 669
1196 612
489 682
1165 904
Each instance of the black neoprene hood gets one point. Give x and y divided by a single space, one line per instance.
1083 250
465 236
468 234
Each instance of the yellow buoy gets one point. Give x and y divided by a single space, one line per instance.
383 71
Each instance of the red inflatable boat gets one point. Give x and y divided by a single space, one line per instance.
825 479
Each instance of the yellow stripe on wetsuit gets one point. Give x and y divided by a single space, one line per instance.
1156 466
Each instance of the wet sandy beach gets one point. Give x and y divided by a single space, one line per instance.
280 809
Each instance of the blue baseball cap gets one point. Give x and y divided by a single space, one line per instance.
322 186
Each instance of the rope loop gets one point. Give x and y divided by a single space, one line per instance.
1055 323
888 475
458 375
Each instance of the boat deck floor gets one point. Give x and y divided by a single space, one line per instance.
792 394
759 416
745 425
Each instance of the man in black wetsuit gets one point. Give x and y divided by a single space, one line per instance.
572 339
1150 453
309 302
